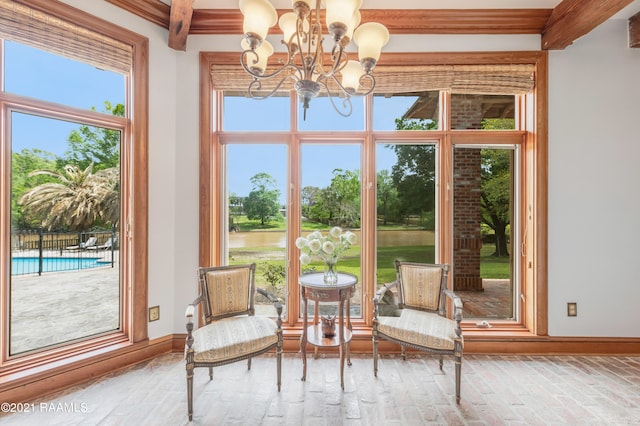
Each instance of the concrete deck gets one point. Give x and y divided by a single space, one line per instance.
61 306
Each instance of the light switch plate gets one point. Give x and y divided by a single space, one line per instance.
154 313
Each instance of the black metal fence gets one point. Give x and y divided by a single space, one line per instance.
39 251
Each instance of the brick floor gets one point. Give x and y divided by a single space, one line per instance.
496 390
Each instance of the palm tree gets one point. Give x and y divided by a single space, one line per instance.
77 199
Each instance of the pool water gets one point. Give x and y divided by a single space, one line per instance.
30 265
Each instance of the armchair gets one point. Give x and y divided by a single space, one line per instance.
422 323
231 331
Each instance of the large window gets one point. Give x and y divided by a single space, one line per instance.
70 162
425 161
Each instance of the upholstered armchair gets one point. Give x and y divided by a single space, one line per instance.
231 331
422 322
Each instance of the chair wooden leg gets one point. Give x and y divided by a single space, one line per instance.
190 391
403 352
458 371
440 362
375 355
279 366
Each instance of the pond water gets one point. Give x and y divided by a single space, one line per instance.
392 238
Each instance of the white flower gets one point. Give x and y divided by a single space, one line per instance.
328 247
315 235
335 232
314 246
301 242
351 237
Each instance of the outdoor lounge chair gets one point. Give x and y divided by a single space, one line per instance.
112 242
91 242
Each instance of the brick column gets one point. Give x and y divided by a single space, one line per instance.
467 238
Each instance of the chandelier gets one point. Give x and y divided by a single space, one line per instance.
305 63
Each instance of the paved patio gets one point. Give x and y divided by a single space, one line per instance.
58 307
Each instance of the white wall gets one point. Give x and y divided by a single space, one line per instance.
594 203
594 199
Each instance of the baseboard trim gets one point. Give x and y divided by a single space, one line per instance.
504 344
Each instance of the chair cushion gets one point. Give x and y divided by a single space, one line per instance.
420 328
233 337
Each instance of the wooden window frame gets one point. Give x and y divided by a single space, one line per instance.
24 376
533 141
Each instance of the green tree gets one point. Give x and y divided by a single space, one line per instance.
496 186
95 145
262 203
387 197
309 196
77 198
414 173
22 164
414 178
496 195
339 203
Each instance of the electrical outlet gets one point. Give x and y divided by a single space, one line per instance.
154 313
572 309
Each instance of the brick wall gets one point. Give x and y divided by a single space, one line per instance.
467 238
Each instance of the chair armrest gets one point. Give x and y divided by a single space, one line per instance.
191 308
273 299
379 295
188 313
457 304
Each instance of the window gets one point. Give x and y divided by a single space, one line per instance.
72 166
407 179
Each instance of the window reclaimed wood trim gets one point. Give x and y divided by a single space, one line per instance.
49 370
533 121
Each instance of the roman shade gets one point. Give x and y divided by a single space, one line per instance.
502 79
31 27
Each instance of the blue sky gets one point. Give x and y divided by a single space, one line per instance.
31 72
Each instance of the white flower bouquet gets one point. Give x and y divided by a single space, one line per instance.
328 247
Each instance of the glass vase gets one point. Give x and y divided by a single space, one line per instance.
330 271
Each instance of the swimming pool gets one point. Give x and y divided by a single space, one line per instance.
30 265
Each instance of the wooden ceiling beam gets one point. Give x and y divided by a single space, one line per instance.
180 23
152 10
571 19
634 30
400 21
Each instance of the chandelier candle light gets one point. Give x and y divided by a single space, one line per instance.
328 248
302 36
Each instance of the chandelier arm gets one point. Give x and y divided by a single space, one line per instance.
337 58
244 60
266 76
371 79
312 61
351 92
256 85
346 103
